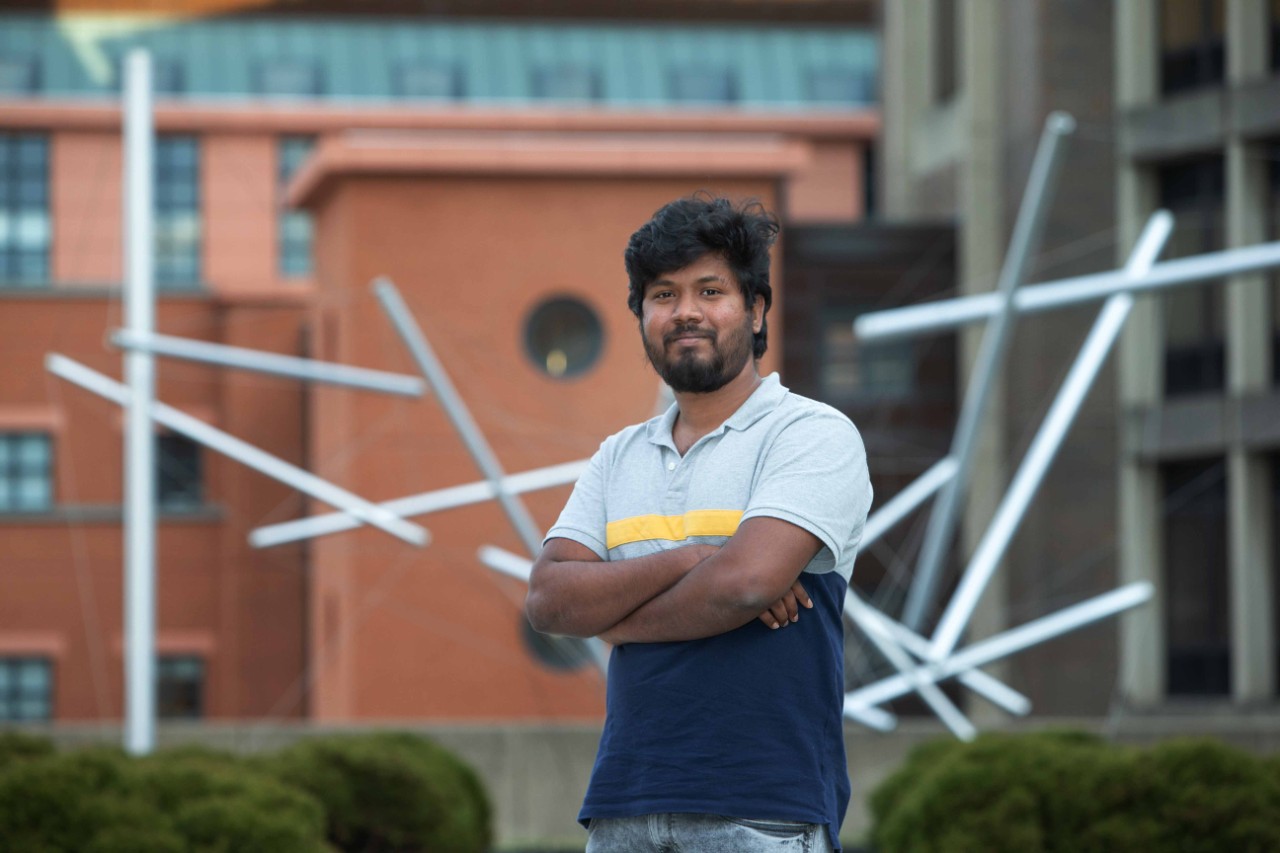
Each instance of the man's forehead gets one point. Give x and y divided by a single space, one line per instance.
709 267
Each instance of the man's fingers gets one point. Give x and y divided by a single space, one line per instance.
801 595
793 609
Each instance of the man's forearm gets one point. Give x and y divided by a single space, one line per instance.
583 598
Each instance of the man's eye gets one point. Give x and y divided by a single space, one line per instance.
711 291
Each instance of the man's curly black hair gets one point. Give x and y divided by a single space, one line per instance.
688 228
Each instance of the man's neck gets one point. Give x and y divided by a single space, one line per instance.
702 413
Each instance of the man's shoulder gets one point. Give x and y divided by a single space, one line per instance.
797 408
628 437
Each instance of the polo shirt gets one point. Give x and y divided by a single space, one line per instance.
747 723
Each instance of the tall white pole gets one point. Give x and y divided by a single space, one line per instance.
139 444
1027 231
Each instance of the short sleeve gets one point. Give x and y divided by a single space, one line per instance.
583 518
814 475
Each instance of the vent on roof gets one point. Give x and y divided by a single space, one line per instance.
566 82
427 80
288 77
841 86
19 75
699 83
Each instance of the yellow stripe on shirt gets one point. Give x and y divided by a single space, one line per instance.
673 528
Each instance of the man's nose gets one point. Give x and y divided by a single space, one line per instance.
688 308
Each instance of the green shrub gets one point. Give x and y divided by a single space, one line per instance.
392 792
1052 792
20 746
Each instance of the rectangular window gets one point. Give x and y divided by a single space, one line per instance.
429 80
860 374
180 687
1194 191
25 227
703 85
1192 44
1197 619
26 472
841 86
946 69
179 484
566 82
295 236
177 207
26 689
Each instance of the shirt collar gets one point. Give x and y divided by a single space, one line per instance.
762 401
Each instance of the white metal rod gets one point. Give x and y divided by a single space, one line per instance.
928 690
1007 643
139 445
421 504
900 505
1027 232
1046 296
456 410
242 452
872 718
995 691
521 568
1044 447
270 363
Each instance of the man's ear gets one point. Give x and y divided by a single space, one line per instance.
757 314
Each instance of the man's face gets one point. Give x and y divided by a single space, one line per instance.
696 326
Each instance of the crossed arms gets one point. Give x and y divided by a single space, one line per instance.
680 594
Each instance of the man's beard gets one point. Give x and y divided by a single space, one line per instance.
690 372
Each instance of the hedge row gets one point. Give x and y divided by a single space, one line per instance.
1064 791
379 792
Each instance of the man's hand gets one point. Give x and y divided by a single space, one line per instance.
786 610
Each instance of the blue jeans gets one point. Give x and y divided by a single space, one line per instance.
700 833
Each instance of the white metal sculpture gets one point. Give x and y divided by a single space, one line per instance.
921 662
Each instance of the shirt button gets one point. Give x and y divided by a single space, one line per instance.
671 466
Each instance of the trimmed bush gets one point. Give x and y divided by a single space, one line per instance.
1051 792
391 792
20 746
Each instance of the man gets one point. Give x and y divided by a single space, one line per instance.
693 543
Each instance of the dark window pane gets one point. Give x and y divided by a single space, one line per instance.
1192 52
26 472
841 86
710 85
25 225
177 202
1195 556
179 480
947 56
26 689
293 226
851 374
428 80
1194 317
180 687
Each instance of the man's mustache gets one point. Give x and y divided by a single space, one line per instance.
688 331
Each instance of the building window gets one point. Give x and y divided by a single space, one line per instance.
430 80
26 472
1197 620
19 75
180 687
563 337
283 77
295 226
854 374
703 85
24 210
563 654
841 86
946 69
26 689
1194 316
566 82
179 480
1192 44
167 75
1275 35
177 221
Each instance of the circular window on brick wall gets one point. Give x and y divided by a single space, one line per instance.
563 337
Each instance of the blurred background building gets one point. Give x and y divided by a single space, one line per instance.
1170 474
